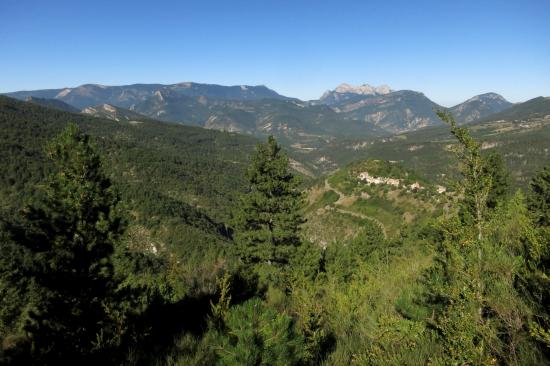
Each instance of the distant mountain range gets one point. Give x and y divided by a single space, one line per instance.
521 134
346 111
404 110
254 110
126 96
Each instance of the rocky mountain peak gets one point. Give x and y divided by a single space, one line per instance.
344 92
364 89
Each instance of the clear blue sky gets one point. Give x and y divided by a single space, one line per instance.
450 50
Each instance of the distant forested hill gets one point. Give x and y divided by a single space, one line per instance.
53 103
170 176
534 108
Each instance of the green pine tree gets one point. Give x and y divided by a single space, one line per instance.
538 279
478 312
267 222
538 199
17 296
258 335
70 232
455 287
476 181
500 184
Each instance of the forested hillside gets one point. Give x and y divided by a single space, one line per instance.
175 177
143 243
53 103
274 183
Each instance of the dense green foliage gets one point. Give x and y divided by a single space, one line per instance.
53 103
165 272
268 218
539 197
68 237
178 178
538 281
500 185
172 181
471 287
258 335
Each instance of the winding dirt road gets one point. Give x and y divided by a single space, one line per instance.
339 202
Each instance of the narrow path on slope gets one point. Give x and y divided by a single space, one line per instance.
342 197
365 217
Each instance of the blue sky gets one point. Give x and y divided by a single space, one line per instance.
450 50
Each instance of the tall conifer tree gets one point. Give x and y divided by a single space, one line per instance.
500 184
471 286
268 219
539 197
538 203
476 181
70 232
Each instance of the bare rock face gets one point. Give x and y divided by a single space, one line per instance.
364 89
111 112
345 92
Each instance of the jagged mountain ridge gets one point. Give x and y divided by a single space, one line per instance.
398 111
279 117
127 95
346 93
254 110
345 111
404 110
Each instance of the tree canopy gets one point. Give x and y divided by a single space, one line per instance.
268 217
68 236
